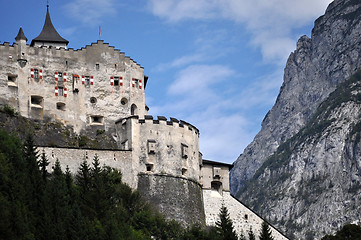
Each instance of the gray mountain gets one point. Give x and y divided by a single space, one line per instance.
299 146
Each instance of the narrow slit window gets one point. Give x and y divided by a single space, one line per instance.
61 91
75 83
36 74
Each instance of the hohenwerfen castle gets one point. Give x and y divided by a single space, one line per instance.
99 88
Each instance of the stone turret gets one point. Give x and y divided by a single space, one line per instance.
21 36
21 41
49 36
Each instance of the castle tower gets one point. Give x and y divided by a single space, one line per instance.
49 36
21 41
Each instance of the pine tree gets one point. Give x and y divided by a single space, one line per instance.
251 235
43 163
33 184
58 201
225 225
99 197
265 232
84 183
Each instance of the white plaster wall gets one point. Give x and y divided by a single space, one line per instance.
237 211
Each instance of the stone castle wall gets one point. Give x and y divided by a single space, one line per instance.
175 197
72 158
92 86
243 218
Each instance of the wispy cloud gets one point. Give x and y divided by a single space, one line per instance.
197 79
270 22
90 11
211 44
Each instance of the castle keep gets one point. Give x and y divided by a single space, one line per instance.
99 89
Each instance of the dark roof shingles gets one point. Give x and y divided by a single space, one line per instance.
49 34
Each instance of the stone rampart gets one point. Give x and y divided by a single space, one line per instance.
243 218
121 160
175 197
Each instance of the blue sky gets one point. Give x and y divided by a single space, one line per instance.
217 64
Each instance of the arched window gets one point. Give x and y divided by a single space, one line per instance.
133 110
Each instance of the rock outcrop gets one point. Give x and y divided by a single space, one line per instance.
311 185
314 70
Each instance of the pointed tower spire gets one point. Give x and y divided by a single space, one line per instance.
49 36
21 35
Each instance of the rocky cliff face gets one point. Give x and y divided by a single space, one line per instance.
313 71
311 185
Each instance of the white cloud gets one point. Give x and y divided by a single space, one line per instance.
207 46
181 61
90 11
270 22
68 31
197 80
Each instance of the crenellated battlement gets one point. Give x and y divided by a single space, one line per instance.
70 52
171 122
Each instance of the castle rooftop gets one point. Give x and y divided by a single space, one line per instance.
21 35
49 33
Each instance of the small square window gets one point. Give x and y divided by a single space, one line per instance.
36 102
151 146
150 167
116 81
12 80
216 172
96 120
87 80
60 106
